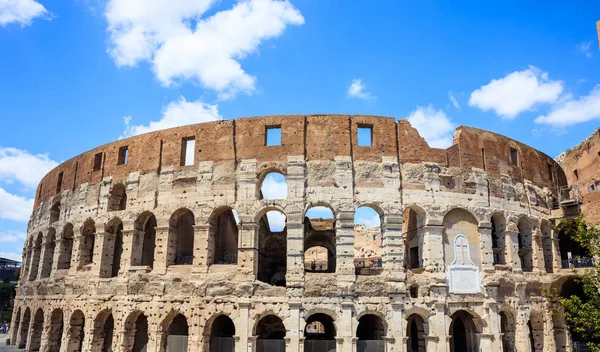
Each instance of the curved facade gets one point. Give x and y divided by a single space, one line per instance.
135 244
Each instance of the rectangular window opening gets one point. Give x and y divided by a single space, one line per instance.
123 155
273 136
365 135
550 172
59 182
514 157
97 161
188 146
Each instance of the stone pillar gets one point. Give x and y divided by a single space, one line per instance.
549 341
59 247
346 328
293 326
393 247
344 247
438 330
46 257
556 257
294 276
202 247
487 253
252 343
522 330
512 245
433 246
76 255
397 327
25 266
538 252
244 326
103 257
248 249
163 255
132 241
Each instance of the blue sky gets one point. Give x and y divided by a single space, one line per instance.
75 74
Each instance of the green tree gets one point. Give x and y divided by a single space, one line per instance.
583 313
7 295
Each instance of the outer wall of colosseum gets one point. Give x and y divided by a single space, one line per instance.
128 249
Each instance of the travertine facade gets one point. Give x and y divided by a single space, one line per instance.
128 249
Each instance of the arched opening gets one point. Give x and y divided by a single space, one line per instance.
66 248
370 333
568 289
140 342
87 243
525 244
499 238
48 257
272 248
115 229
319 333
76 331
507 328
367 241
221 335
143 250
117 200
176 337
104 326
413 220
273 186
36 331
463 333
223 237
270 333
15 329
182 227
536 331
572 255
319 233
546 229
415 331
25 328
35 257
55 212
459 222
56 330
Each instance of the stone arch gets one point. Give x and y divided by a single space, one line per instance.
143 250
371 326
508 330
525 226
66 247
319 204
270 332
55 332
175 331
223 236
535 327
319 331
416 331
272 247
24 328
47 258
459 221
377 314
87 242
320 231
117 199
35 340
55 212
413 220
272 184
114 231
463 332
135 336
181 230
76 331
368 251
499 247
222 332
36 252
572 255
546 229
103 335
15 329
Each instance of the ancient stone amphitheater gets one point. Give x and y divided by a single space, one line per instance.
161 242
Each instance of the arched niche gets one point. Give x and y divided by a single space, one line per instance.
223 236
319 232
182 232
461 222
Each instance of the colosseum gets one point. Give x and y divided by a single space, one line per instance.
163 242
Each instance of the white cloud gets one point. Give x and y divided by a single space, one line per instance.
178 113
433 125
357 89
12 236
453 99
20 11
572 111
584 48
517 92
180 44
276 221
274 187
23 167
11 255
13 207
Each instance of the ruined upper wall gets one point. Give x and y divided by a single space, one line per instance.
316 137
582 169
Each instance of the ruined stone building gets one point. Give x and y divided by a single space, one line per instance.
164 240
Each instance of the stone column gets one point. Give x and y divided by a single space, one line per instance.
103 257
76 255
549 340
46 258
512 245
244 328
393 247
201 247
132 241
344 247
433 246
345 327
396 329
35 261
538 252
556 257
252 343
487 253
248 249
294 276
163 255
522 330
25 266
59 245
438 330
293 326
